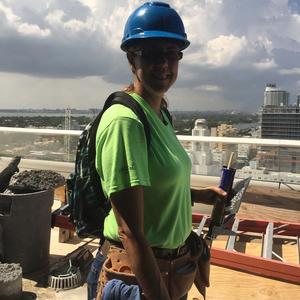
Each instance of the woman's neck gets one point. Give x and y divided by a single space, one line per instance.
153 99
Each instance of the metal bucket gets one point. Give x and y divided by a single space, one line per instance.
25 225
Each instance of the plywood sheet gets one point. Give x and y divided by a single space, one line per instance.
234 285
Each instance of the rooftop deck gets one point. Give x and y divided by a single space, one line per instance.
260 203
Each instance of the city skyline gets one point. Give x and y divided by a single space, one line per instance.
56 54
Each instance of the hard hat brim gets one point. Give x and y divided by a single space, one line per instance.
182 42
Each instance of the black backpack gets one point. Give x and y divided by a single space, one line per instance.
88 206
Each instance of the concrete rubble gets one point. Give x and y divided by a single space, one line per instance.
10 281
35 180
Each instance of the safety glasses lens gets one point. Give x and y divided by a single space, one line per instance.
153 56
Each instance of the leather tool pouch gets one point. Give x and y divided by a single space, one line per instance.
199 248
179 273
116 266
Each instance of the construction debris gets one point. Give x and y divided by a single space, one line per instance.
8 172
10 281
71 270
35 180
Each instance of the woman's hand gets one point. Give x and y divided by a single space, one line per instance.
207 195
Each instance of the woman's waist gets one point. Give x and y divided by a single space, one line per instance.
158 236
159 252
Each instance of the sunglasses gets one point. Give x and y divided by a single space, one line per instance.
158 55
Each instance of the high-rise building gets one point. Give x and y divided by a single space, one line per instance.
226 130
201 156
274 96
279 120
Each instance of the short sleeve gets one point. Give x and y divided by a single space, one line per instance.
122 157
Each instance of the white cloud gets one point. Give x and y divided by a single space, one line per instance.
34 30
208 88
10 16
84 92
54 18
293 71
25 28
265 64
201 19
76 25
219 52
222 50
230 41
266 43
92 4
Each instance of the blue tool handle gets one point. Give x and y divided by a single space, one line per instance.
227 182
227 179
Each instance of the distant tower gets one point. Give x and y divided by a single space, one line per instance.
274 96
201 158
200 128
67 127
279 120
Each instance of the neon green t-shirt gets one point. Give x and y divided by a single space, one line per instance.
123 160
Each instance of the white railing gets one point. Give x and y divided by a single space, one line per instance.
51 161
39 131
235 140
182 138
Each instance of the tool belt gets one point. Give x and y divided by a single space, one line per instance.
199 247
179 267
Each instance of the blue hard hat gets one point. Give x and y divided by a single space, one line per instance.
154 20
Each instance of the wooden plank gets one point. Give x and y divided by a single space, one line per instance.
59 194
62 222
235 285
65 235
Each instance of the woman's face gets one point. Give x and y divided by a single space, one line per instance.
155 65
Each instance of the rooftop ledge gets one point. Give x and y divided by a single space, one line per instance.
65 168
185 138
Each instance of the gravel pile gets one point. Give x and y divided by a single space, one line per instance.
35 180
10 281
9 272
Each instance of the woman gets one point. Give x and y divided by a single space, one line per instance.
149 187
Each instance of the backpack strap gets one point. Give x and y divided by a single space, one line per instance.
166 111
126 100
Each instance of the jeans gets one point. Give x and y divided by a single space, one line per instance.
93 275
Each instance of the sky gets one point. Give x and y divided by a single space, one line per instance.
66 53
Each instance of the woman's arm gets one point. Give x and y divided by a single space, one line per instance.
128 206
207 195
